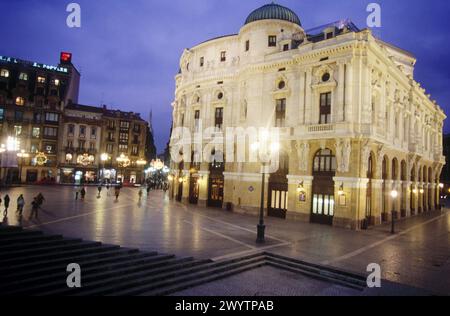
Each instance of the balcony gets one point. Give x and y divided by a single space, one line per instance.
321 128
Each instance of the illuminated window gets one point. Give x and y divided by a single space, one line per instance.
280 113
56 82
123 137
135 150
36 133
218 118
20 101
52 117
124 124
123 148
325 108
50 131
40 79
4 73
109 148
23 76
17 130
2 113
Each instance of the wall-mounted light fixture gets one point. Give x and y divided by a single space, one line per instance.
300 187
341 189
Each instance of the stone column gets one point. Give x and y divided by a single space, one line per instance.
349 91
203 188
309 102
377 200
302 97
340 115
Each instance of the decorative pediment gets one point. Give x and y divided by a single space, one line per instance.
185 59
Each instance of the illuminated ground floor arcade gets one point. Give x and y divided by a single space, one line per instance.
345 183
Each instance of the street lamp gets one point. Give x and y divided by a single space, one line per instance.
104 158
394 195
21 155
268 149
123 162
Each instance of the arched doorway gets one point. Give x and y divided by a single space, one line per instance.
194 180
402 189
179 196
216 180
324 170
370 175
278 189
413 191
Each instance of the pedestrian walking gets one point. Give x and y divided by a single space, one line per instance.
77 192
83 193
6 199
20 204
117 192
140 194
40 199
108 186
148 189
99 189
34 208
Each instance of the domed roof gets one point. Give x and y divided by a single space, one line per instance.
273 11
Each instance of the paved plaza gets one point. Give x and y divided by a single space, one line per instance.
417 256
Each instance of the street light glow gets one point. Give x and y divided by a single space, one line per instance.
394 194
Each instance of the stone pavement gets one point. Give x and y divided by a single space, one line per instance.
418 255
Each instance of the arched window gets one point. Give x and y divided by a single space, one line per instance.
324 161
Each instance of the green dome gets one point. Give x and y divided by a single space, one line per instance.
273 12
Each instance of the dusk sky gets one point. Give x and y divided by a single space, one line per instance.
128 51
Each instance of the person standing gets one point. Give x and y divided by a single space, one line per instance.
34 208
6 199
40 199
83 193
20 204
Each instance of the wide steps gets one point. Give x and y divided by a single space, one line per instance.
318 272
53 282
49 242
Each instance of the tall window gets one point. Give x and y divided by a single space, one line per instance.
93 132
52 117
18 116
325 108
272 41
123 137
70 130
324 161
197 120
82 130
82 144
280 113
247 45
223 56
218 118
110 136
50 131
109 148
40 79
202 61
123 148
124 124
23 76
135 150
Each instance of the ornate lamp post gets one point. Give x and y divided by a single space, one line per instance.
441 188
267 148
123 162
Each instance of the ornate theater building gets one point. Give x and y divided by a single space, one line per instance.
359 137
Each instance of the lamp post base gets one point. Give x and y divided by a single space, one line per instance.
260 236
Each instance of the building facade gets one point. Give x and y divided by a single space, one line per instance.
124 140
80 148
32 99
354 125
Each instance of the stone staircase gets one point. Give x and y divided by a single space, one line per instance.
33 263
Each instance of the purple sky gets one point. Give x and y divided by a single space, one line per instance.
128 51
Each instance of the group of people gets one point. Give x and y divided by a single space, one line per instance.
36 204
82 192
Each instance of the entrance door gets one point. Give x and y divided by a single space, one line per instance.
323 204
278 200
193 190
216 184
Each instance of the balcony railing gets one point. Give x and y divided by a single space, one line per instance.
321 128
